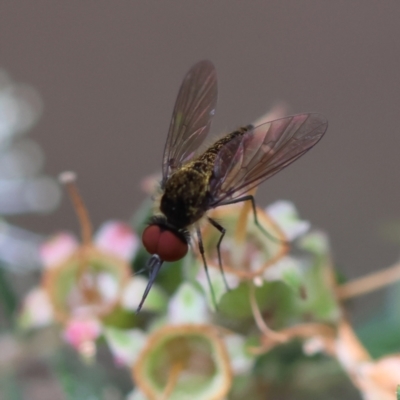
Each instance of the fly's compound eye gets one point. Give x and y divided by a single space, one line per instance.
166 244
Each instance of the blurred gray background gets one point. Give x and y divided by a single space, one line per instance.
109 72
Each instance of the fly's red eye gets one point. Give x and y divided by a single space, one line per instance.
150 237
164 243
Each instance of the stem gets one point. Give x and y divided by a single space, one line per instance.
172 380
241 225
239 237
369 283
304 331
68 179
262 326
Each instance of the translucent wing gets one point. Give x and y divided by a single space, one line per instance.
261 152
191 119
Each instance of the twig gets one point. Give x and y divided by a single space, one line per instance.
262 326
369 283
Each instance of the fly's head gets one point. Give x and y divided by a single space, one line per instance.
164 240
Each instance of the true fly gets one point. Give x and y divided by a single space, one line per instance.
193 184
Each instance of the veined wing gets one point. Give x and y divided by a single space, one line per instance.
192 115
260 153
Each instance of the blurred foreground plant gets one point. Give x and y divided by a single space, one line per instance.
23 188
281 331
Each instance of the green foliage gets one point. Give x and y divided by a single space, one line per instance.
8 297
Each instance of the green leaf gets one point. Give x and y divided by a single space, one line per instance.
10 389
8 298
288 373
273 298
380 335
79 380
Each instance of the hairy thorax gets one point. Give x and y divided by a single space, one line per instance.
186 194
185 197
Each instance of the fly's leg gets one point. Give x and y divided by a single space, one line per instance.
201 249
222 230
250 197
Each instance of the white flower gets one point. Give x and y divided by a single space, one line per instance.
125 345
22 188
187 306
81 283
284 214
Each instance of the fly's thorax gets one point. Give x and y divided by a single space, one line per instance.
185 197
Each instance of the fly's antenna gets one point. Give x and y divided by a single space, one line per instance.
68 179
154 265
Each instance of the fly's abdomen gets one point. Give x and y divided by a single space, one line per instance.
207 159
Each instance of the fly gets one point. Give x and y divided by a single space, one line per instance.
193 184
